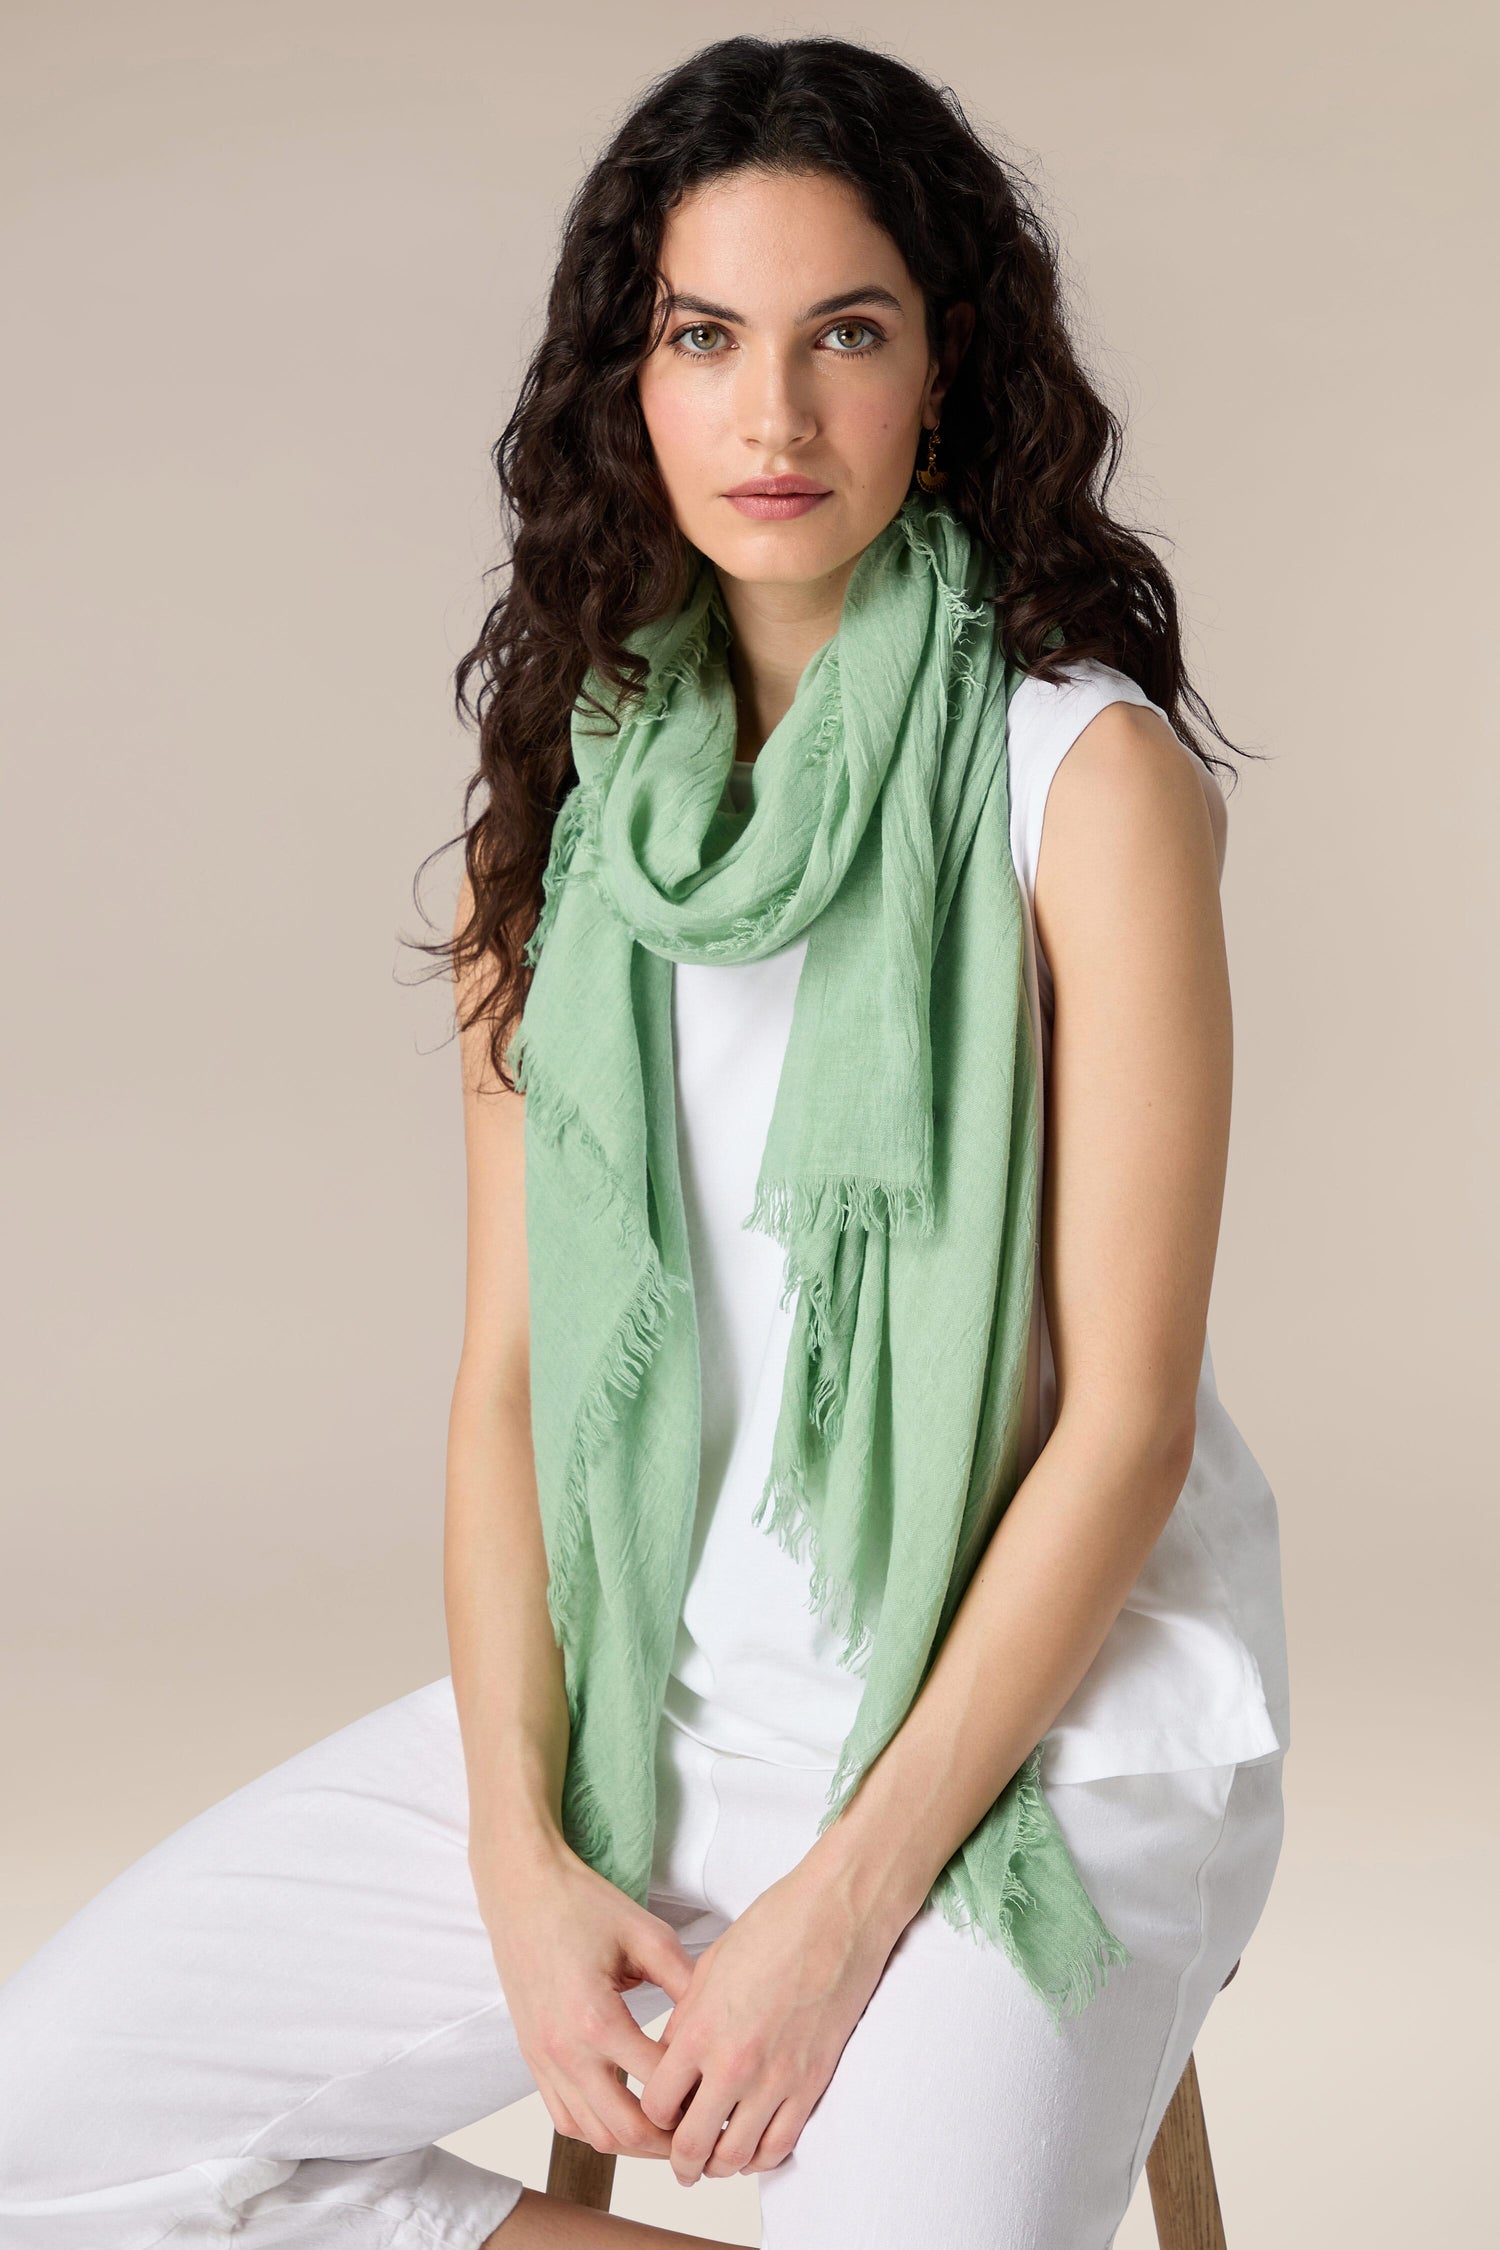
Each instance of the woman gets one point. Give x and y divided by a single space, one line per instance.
865 1619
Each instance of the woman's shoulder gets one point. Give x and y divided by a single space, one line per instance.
1045 719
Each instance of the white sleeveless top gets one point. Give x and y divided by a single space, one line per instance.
1193 1670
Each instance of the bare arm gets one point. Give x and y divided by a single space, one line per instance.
1127 907
507 1668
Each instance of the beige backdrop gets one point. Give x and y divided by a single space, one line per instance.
277 268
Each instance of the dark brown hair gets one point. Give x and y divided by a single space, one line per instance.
1029 447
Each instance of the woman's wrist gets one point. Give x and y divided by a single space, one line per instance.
874 1863
514 1843
909 1813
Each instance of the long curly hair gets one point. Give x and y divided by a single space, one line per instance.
1029 447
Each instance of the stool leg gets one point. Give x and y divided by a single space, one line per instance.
580 2174
1180 2174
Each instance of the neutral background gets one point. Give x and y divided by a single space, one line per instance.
273 272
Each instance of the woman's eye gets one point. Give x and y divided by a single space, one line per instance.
699 328
843 328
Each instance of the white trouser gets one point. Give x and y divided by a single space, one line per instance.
259 2030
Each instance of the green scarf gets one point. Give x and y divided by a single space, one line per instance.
900 1175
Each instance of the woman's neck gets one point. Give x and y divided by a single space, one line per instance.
776 630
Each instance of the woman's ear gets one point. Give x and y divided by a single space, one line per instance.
958 326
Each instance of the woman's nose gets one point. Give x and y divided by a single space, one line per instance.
775 400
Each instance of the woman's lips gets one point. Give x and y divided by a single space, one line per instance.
776 507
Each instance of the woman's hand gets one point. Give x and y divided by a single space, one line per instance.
767 2013
568 1944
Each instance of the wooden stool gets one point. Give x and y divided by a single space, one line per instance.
1179 2171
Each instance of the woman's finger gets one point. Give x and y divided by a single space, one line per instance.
569 2114
620 2113
623 2042
741 2137
563 2120
655 1949
781 2135
590 2126
697 2136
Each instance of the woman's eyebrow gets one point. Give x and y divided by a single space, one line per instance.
871 295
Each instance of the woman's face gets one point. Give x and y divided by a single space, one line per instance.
795 348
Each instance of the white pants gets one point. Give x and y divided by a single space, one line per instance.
258 2031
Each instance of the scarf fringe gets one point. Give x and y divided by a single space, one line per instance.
966 1911
786 1208
587 1822
962 662
782 1510
572 819
831 724
957 612
681 672
747 929
792 1211
619 1373
616 1378
1090 1974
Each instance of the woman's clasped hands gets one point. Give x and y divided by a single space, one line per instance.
754 2040
758 2021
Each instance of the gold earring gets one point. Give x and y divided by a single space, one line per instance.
930 477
